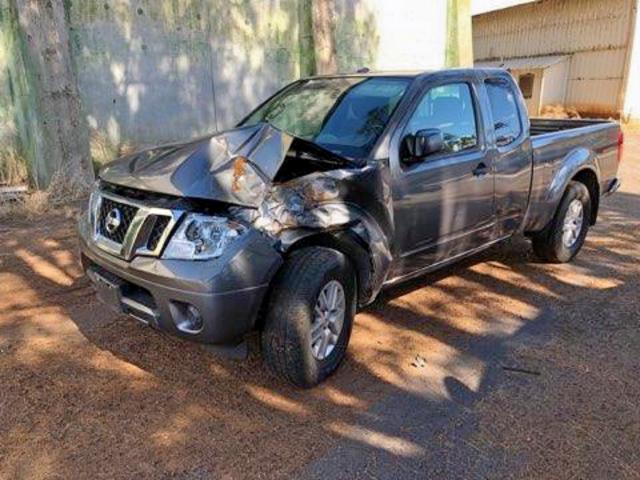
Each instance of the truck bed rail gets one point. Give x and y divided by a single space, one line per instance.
540 126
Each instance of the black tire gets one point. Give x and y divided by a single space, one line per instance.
548 244
286 334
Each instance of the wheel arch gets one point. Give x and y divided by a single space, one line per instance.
350 245
589 179
343 241
579 165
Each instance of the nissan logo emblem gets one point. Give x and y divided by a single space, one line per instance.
113 220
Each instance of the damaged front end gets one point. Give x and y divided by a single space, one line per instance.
317 195
291 190
345 204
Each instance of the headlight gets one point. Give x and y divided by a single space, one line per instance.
201 237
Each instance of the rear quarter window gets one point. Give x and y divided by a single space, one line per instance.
504 110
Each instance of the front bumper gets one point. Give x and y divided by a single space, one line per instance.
227 291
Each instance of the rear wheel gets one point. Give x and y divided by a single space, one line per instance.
564 236
309 316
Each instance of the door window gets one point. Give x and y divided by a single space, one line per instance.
450 109
504 109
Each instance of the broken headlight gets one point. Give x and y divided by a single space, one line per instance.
201 237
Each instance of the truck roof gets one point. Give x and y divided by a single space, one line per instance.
409 73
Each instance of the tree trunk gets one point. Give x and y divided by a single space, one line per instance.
459 50
323 18
60 130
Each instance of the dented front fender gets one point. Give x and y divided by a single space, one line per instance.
354 200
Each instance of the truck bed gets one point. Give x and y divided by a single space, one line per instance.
541 126
558 145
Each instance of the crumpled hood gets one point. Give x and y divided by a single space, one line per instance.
237 166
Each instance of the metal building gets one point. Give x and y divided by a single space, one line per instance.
577 53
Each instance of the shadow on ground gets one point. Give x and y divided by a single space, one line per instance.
499 367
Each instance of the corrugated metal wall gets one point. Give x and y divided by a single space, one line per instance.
595 33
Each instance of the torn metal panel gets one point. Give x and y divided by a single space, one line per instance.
342 199
312 202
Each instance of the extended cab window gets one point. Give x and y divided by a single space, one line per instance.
504 109
450 109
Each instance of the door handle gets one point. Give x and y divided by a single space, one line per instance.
480 170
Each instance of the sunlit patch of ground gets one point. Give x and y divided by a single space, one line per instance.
532 369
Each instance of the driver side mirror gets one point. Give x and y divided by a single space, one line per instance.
424 143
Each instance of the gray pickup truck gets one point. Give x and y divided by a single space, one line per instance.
330 190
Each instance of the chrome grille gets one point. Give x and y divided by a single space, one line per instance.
139 229
127 213
159 227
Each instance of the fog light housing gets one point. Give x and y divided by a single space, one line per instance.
187 318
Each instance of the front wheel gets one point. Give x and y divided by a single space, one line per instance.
309 316
564 236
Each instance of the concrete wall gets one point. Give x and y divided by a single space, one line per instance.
384 35
152 71
156 71
160 70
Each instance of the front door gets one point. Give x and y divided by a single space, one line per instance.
444 203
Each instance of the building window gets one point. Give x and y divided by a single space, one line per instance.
525 82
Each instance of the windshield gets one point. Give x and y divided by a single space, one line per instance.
343 115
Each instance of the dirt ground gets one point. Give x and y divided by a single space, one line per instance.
500 367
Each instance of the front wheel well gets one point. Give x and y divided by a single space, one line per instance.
343 242
589 179
349 245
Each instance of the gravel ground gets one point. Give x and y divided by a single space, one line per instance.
500 367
